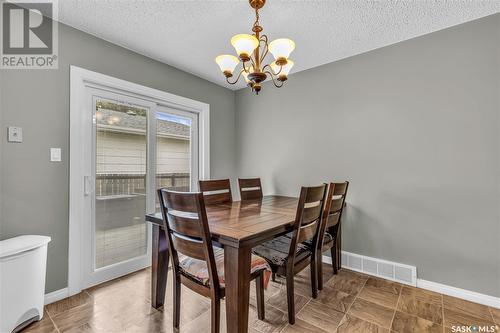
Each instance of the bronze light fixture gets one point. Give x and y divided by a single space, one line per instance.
252 50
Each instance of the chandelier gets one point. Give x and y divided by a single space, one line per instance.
252 51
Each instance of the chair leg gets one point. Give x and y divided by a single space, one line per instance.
215 315
314 277
177 300
290 298
259 282
333 253
273 276
320 272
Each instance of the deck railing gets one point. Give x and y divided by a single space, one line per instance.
127 184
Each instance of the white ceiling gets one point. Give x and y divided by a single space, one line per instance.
189 34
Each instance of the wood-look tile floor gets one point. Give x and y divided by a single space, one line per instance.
349 302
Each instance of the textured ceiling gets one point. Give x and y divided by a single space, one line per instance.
190 34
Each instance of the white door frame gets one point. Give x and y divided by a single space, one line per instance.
80 80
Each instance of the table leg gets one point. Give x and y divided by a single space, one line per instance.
237 276
159 267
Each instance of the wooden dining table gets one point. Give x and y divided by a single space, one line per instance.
237 227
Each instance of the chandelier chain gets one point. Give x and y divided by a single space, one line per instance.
257 23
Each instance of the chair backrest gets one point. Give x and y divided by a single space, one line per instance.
308 217
334 206
250 189
186 226
216 191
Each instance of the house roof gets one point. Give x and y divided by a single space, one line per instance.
133 123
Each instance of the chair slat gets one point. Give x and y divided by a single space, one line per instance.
311 214
212 199
188 246
251 195
214 185
180 201
185 225
223 188
307 232
315 193
340 188
250 189
333 219
249 182
336 204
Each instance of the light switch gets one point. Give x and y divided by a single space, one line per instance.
55 154
15 134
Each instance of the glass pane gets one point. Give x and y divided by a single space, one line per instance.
173 153
120 186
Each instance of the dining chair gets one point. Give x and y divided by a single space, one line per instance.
201 267
330 227
287 255
216 191
250 188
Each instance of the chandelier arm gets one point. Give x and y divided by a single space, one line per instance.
245 69
266 47
271 70
237 78
253 62
274 81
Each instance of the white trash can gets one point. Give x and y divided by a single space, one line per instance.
23 262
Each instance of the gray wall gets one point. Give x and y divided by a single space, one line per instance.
35 191
415 128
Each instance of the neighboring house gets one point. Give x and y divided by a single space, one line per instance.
121 152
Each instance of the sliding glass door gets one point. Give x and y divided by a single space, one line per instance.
134 147
120 233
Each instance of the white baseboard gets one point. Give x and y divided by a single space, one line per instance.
56 295
468 295
327 259
460 293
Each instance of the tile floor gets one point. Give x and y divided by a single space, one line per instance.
349 302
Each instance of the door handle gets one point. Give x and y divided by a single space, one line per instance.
88 185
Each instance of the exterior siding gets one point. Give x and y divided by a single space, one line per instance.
125 153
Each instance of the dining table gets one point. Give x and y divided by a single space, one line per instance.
237 227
